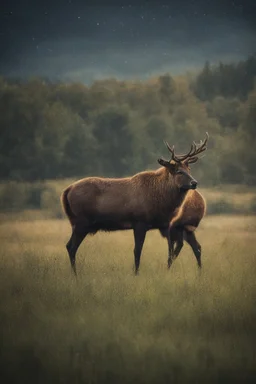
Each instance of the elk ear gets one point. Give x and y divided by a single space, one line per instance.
163 162
167 164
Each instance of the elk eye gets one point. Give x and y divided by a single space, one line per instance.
178 172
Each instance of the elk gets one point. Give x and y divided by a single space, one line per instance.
184 222
141 202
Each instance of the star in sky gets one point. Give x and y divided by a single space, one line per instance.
143 37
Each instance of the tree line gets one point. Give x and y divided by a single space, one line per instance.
53 130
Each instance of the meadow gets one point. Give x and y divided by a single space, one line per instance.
109 326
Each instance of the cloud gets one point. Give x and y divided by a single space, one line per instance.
174 49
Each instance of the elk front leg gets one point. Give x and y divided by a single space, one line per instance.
139 232
170 248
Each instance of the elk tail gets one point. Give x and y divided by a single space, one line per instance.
66 206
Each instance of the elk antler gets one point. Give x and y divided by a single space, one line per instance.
174 156
191 156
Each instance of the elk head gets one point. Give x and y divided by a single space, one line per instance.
178 166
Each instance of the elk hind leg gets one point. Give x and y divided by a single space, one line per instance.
139 232
171 239
179 241
196 247
176 237
78 235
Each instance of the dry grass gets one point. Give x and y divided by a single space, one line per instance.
112 327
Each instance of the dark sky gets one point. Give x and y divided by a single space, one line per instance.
72 40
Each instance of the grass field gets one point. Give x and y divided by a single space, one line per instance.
112 327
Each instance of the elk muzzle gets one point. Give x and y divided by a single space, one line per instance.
186 181
193 184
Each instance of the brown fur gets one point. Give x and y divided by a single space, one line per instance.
150 196
191 211
184 222
142 202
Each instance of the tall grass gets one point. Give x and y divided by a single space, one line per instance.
112 327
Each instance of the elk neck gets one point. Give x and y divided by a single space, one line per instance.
169 194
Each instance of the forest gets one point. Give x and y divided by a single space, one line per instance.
106 326
55 130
